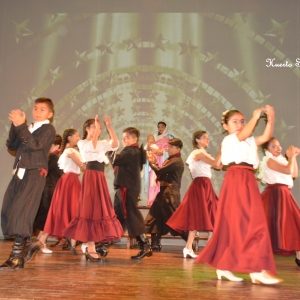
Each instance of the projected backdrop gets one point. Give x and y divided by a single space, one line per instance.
151 64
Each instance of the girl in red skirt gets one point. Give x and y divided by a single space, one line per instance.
65 197
241 240
95 219
281 209
198 207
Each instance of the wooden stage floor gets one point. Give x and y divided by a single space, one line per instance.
165 275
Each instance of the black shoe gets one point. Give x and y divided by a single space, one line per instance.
155 242
70 247
31 250
145 249
297 261
88 256
16 259
102 249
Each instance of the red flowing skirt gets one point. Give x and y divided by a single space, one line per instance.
95 219
241 241
64 204
197 209
283 218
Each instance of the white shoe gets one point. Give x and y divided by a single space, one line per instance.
46 250
188 252
83 247
228 275
264 277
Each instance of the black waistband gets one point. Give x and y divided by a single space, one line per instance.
95 165
240 164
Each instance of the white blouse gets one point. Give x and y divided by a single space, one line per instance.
236 151
88 153
270 176
199 168
66 163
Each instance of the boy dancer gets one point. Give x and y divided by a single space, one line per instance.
22 197
168 199
129 164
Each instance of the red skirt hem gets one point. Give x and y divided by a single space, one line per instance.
197 209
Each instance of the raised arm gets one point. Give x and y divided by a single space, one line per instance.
113 136
291 168
268 131
97 132
215 163
249 127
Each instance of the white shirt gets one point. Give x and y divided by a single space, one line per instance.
236 151
270 176
199 168
66 163
34 126
88 153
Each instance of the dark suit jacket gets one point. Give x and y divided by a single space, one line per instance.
171 172
129 164
31 148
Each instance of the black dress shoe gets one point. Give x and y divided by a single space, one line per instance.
297 261
31 250
13 263
72 248
102 249
88 256
60 243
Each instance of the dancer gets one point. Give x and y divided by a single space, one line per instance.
151 184
23 195
128 165
198 207
281 209
241 241
95 219
54 173
168 199
65 198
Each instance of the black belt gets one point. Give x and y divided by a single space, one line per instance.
164 183
95 165
240 164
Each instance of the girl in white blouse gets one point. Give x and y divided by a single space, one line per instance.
198 207
66 194
241 241
281 209
95 220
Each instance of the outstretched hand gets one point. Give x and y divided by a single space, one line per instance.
17 117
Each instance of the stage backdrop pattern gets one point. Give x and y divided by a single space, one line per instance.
141 64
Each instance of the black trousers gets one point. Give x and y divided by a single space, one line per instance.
134 221
21 202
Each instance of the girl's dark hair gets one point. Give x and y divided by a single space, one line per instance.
66 134
197 135
86 124
161 122
57 140
265 145
228 115
132 131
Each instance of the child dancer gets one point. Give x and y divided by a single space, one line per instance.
241 241
23 195
95 218
198 207
65 198
281 209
